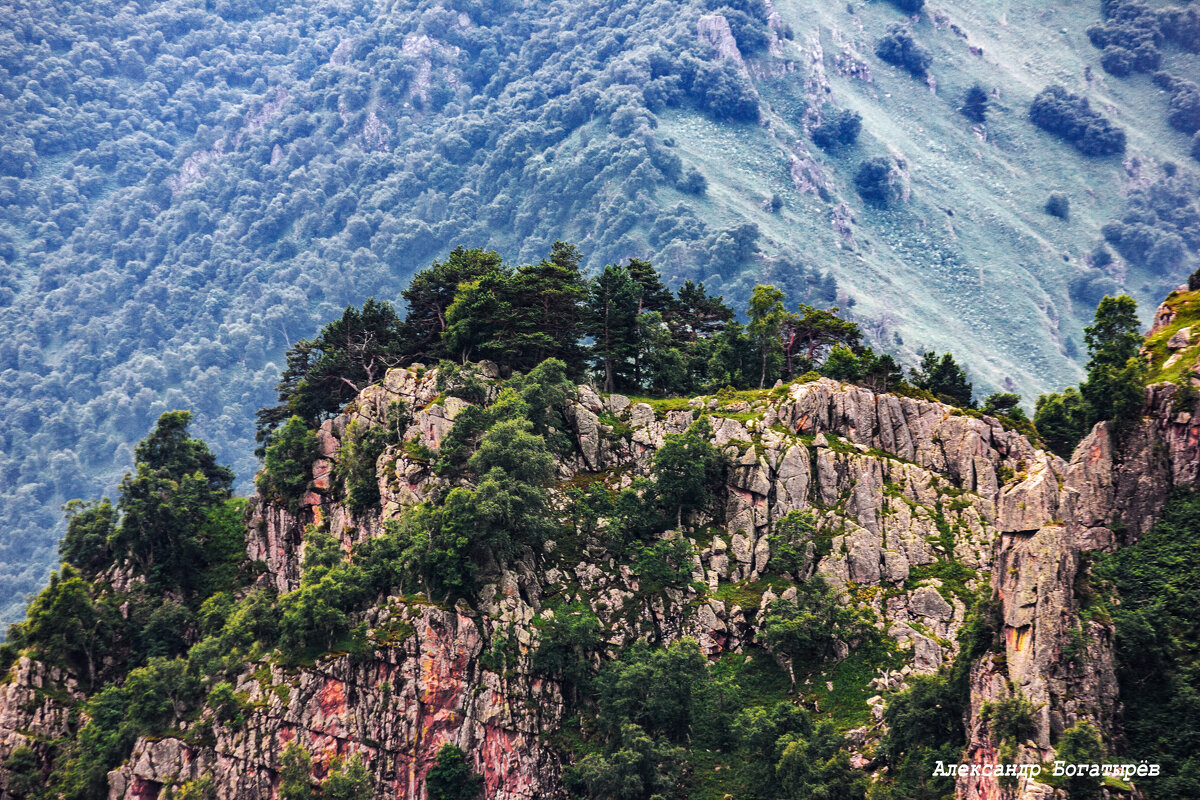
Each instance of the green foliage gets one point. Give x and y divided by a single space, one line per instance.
943 378
1062 420
511 505
1158 623
975 104
568 641
68 624
429 548
637 767
1081 744
322 374
899 48
348 779
1116 374
818 767
679 674
287 463
875 181
451 777
151 699
165 505
761 731
90 526
226 705
24 771
1011 723
1070 117
806 629
664 564
361 447
1158 230
767 316
1058 205
840 128
924 726
789 539
295 774
688 470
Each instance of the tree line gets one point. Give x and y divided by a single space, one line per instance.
623 328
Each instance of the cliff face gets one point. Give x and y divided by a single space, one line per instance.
898 486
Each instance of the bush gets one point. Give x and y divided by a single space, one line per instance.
909 6
943 378
287 465
1071 118
807 629
693 182
975 104
840 128
898 48
1058 206
1081 744
356 466
687 471
451 777
1129 37
875 181
1061 420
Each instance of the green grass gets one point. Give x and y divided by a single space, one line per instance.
1187 313
762 684
970 263
748 594
846 705
662 405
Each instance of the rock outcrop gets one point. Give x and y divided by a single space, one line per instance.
896 488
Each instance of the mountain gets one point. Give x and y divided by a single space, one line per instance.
190 188
517 587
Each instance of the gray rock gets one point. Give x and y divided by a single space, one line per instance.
616 403
1180 339
928 602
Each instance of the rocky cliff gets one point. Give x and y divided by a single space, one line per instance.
900 488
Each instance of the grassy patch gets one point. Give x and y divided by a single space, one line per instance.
846 704
1187 313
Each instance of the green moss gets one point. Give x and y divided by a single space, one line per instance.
953 575
662 405
748 594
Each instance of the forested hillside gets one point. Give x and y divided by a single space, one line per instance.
190 188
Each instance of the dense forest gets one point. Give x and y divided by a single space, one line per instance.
187 189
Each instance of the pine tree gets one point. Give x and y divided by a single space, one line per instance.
614 298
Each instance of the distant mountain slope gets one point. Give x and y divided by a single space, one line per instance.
188 188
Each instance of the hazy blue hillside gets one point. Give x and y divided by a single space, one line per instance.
188 188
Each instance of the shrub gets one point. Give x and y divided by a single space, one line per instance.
909 6
451 777
808 628
687 471
944 378
840 128
1057 205
693 182
1081 744
1061 420
975 104
898 48
287 466
1071 118
875 181
356 467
